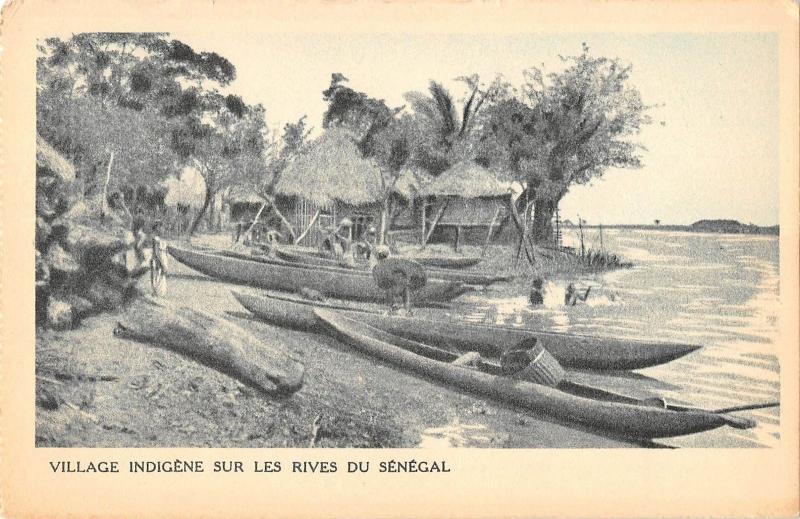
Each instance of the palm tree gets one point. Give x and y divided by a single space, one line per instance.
443 134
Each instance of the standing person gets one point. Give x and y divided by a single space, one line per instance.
237 233
158 263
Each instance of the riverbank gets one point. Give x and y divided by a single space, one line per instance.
96 390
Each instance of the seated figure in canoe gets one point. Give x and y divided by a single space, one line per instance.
338 242
363 248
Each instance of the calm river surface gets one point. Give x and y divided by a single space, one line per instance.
719 291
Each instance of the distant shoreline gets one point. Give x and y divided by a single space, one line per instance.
702 226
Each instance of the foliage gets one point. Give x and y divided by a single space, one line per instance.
150 101
442 137
566 128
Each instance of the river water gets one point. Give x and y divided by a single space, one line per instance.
719 291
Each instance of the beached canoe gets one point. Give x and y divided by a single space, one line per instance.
447 262
468 278
637 419
340 283
571 350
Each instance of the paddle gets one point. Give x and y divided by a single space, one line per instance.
762 405
736 421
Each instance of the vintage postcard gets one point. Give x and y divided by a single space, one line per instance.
399 259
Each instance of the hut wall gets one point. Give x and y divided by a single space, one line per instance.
473 215
407 212
467 212
301 212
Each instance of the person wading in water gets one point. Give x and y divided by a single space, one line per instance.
571 295
536 296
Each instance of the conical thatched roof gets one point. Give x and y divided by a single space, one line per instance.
467 180
410 181
332 168
242 195
48 158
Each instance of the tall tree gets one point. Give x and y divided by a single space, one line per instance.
444 135
224 139
566 128
379 131
107 99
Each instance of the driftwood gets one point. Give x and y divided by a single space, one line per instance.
212 341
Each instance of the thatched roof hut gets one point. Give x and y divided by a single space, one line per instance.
49 159
466 179
410 182
332 169
466 196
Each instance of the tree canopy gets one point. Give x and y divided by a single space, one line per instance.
566 128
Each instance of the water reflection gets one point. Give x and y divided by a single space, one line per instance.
718 291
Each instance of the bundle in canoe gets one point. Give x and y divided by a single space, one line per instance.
571 350
632 419
338 283
468 278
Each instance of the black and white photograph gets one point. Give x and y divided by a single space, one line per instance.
407 240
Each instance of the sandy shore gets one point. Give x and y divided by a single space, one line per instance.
94 389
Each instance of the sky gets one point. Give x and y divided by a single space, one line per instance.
712 151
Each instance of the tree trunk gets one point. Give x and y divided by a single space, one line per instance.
542 228
384 222
104 196
284 220
215 342
199 217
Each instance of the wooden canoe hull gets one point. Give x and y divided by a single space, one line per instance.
446 262
468 278
291 278
571 350
618 419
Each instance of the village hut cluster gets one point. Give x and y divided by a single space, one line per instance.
90 256
331 182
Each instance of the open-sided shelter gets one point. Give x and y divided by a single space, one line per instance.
329 181
465 196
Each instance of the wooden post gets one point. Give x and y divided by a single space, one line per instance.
524 242
104 199
580 227
424 208
489 232
458 238
435 221
310 225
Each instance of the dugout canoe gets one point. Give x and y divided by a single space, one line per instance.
448 262
338 283
571 350
468 278
445 262
639 420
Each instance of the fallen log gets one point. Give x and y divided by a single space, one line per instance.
215 342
